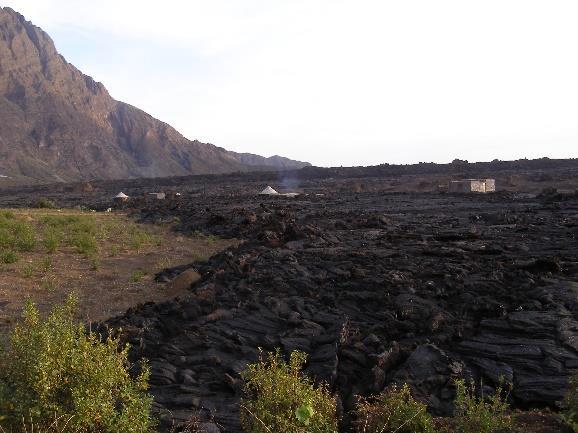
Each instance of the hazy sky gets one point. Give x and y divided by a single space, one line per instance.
337 82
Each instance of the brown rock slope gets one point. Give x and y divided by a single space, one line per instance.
58 124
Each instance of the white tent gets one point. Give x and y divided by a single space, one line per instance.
269 191
121 196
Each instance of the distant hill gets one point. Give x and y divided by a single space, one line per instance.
58 124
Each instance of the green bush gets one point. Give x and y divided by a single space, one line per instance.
45 203
137 276
394 410
52 239
85 243
481 415
280 399
52 368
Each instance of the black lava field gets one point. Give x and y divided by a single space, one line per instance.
377 288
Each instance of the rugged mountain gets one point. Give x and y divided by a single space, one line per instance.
57 124
273 161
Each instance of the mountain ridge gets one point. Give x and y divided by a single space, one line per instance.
59 124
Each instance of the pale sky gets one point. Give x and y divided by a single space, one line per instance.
337 82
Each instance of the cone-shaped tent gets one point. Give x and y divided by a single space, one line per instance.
269 191
121 196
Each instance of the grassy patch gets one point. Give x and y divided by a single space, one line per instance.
16 235
99 255
85 233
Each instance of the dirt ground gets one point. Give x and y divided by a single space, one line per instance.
119 275
534 421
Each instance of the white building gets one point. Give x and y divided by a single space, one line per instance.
157 195
473 185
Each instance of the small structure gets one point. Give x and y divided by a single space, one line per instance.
269 191
473 185
158 195
121 196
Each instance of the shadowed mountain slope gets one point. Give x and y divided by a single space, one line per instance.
58 124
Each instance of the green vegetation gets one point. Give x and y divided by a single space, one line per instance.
196 257
210 239
280 399
46 264
16 235
79 231
53 370
85 233
114 251
45 203
570 414
137 276
481 415
48 284
393 411
9 257
28 270
52 240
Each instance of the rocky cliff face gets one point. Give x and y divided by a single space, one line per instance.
58 124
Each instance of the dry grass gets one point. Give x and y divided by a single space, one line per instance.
59 425
106 258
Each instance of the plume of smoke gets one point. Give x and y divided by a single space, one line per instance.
289 183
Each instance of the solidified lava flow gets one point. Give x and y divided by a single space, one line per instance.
377 289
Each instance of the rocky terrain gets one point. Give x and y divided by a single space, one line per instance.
402 288
377 287
60 125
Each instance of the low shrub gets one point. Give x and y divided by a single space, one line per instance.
137 276
85 243
280 399
393 411
45 203
46 264
28 270
477 414
54 370
94 262
52 239
15 233
8 257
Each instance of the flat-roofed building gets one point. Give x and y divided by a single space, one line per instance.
473 185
